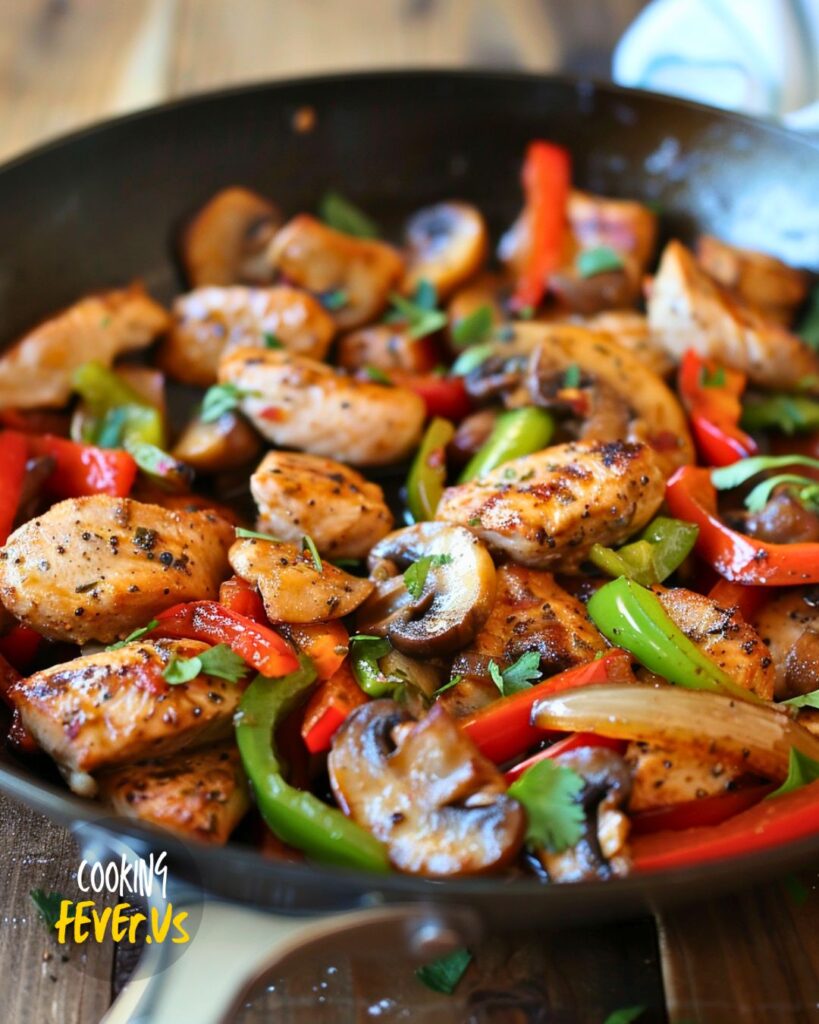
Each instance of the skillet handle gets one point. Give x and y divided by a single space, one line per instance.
235 946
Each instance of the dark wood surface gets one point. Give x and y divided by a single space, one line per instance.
752 959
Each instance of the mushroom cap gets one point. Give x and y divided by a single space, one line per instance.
447 244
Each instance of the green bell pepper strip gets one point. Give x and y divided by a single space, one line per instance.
364 654
631 617
297 817
427 476
515 433
660 549
119 414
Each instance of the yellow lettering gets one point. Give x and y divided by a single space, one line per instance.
134 923
119 924
100 923
177 923
161 932
82 920
64 920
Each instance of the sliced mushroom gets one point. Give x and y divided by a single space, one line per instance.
447 244
360 272
386 347
221 445
227 240
425 790
789 626
296 587
457 595
602 852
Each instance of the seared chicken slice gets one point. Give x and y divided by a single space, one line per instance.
724 636
97 568
298 403
198 794
547 510
112 708
664 774
299 494
776 289
322 260
630 330
210 321
531 613
227 241
789 625
295 586
38 369
688 309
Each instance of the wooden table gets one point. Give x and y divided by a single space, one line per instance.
65 63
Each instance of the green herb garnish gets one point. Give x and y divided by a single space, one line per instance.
136 635
255 535
600 260
220 661
419 313
222 398
334 300
415 577
272 342
549 792
443 974
48 905
377 375
309 545
518 676
802 770
473 328
342 215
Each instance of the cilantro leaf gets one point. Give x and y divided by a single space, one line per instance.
48 905
471 358
727 477
376 374
443 974
271 341
473 328
309 545
415 577
222 398
801 771
625 1015
333 300
715 379
804 700
341 214
219 661
572 376
419 312
447 686
599 260
518 676
255 535
549 792
136 635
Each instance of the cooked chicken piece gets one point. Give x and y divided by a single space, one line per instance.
296 587
628 227
299 403
227 241
688 309
97 568
210 321
531 613
724 636
630 330
447 244
316 257
219 445
112 708
758 279
789 625
200 794
651 408
664 775
151 494
547 510
299 494
385 347
38 369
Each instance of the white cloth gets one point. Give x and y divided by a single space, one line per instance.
756 56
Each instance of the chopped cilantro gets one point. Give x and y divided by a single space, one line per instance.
571 378
447 686
518 676
333 300
415 577
271 341
474 521
222 398
471 358
549 793
342 215
419 312
713 378
309 545
625 1015
219 661
801 771
48 905
255 535
804 700
136 635
376 374
443 974
473 328
600 260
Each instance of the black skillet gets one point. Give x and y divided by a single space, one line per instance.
103 207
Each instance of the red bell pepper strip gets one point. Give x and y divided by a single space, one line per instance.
20 645
209 621
240 596
573 742
747 600
443 396
714 410
13 456
547 174
710 810
691 496
770 823
326 644
84 469
502 730
328 707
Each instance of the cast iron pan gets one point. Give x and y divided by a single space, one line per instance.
103 207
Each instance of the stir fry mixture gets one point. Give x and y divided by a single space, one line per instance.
463 556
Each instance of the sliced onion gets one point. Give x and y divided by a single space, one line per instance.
758 736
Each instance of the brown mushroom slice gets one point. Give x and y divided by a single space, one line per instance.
426 791
456 598
385 347
221 445
447 244
227 240
211 321
296 587
322 260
